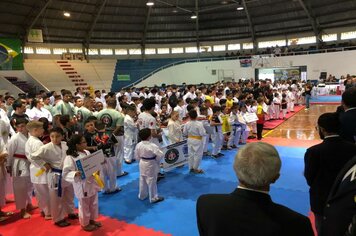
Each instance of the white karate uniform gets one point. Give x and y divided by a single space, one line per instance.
277 107
146 120
130 137
20 170
195 132
290 100
174 131
40 183
245 129
3 176
208 130
36 114
5 127
54 155
253 109
86 190
181 111
236 130
217 138
148 168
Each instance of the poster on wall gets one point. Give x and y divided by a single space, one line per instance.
35 36
123 78
10 54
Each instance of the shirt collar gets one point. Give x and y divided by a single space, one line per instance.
254 190
352 108
332 136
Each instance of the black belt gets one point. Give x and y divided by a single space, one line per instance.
148 158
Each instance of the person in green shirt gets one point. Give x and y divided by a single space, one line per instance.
84 112
64 107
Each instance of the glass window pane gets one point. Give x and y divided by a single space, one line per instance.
149 51
75 50
41 50
120 52
247 45
163 50
59 51
233 47
304 40
191 50
93 51
135 51
177 50
219 48
29 50
274 43
348 35
106 51
329 37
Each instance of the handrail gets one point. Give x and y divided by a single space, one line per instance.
209 59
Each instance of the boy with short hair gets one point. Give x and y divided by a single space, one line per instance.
40 184
261 117
236 128
61 192
217 135
149 156
130 133
19 167
195 132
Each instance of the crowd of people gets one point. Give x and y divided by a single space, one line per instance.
43 134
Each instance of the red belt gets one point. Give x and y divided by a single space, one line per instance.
21 156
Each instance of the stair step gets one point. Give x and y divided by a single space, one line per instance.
74 76
65 65
62 61
67 68
71 72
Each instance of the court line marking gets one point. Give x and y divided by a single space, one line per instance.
265 135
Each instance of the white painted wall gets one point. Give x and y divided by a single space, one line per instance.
336 63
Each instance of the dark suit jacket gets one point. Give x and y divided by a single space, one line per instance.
323 162
248 213
348 125
341 205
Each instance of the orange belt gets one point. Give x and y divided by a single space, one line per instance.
196 137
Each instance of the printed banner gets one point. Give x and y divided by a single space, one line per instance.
90 163
35 36
175 155
250 117
10 54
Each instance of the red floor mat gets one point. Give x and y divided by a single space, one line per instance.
15 226
272 124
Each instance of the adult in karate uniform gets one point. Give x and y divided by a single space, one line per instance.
3 176
130 133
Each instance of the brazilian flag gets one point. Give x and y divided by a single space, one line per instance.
10 54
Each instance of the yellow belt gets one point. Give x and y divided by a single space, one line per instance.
196 137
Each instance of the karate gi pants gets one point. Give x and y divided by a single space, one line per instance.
206 143
277 111
217 142
129 152
234 137
42 195
109 172
270 112
291 106
148 187
61 206
119 151
284 112
88 209
23 189
195 152
244 136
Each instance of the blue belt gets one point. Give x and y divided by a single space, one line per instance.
59 192
148 158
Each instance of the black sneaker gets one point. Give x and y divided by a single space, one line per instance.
73 216
215 156
220 154
62 223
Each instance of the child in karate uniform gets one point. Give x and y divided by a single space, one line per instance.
40 184
149 156
86 190
195 132
174 128
51 157
3 157
130 133
277 106
19 167
217 135
236 128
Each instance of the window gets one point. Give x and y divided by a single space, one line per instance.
29 50
120 52
247 45
304 40
219 48
93 51
177 50
163 50
348 35
191 49
43 51
329 37
135 51
106 51
233 47
59 51
75 50
150 51
268 44
205 48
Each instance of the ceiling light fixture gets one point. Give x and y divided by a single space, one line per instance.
66 14
193 17
239 8
150 3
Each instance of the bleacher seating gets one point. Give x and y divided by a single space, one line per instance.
23 85
137 69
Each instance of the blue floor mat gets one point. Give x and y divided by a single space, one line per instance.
325 99
176 215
